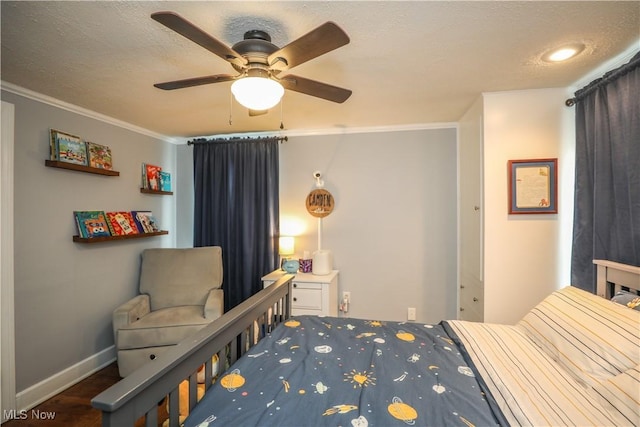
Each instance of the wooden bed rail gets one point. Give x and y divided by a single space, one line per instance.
229 336
612 276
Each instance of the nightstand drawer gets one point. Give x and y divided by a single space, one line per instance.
306 295
311 294
306 285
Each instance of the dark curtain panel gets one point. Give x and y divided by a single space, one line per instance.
607 198
236 207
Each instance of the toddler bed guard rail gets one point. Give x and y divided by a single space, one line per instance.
229 337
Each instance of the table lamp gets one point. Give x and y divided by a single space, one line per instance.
286 249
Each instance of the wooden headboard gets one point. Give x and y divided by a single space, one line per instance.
612 276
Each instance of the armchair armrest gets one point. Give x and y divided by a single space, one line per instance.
214 306
130 311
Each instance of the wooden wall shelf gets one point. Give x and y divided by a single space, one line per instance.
148 191
79 239
80 168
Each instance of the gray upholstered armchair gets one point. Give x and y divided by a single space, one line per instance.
180 292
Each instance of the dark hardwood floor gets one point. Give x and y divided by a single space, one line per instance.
73 407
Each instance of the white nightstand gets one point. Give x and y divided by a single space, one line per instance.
312 294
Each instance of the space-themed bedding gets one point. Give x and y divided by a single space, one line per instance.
350 372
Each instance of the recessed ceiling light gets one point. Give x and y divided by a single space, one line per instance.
563 53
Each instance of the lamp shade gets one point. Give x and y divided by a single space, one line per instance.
286 245
257 93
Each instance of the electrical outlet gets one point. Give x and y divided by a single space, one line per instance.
344 302
411 313
346 296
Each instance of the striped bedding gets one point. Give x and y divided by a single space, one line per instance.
573 360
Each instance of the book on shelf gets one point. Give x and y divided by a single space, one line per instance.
143 177
53 151
154 223
91 224
152 176
99 156
122 223
68 148
165 181
145 221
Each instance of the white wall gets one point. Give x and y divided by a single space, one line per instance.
393 230
526 256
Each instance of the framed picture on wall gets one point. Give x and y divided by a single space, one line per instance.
533 186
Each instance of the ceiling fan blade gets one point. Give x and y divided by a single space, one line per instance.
323 39
196 81
315 88
185 28
253 113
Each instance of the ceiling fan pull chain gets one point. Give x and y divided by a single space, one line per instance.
281 114
230 109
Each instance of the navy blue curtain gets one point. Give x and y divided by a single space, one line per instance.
606 221
236 207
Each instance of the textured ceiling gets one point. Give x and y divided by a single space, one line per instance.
408 63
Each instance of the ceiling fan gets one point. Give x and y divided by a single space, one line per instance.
260 62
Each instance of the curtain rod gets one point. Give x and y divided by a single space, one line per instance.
236 138
605 79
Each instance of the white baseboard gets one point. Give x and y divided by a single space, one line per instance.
38 393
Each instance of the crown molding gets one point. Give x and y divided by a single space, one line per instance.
36 96
45 99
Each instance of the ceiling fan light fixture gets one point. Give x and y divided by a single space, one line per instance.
257 93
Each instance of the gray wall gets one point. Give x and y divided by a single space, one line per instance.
65 292
184 199
393 230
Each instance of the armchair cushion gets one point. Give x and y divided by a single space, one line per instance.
129 312
167 326
173 277
214 307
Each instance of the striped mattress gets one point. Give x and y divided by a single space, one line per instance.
572 360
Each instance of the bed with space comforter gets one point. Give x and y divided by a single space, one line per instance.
560 365
574 359
340 371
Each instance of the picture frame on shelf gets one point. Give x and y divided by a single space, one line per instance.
68 148
533 186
